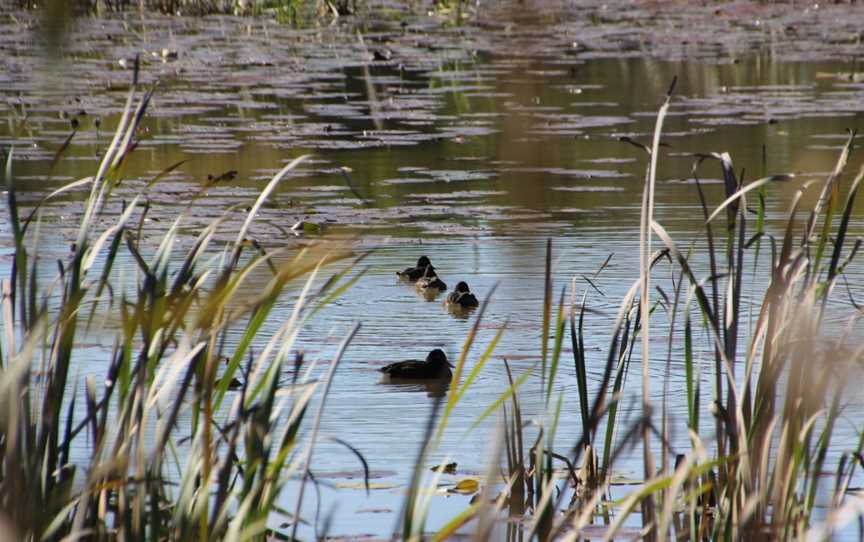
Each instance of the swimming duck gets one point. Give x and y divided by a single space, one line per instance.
462 297
413 273
430 280
435 367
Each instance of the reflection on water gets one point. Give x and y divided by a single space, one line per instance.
431 389
428 294
471 153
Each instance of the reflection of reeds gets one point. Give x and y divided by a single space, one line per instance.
166 365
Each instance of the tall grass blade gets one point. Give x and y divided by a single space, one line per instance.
316 424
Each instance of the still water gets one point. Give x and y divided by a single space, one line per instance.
470 146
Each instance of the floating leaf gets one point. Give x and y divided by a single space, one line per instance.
466 486
305 227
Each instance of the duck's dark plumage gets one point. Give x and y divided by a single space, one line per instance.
462 297
430 280
412 274
434 367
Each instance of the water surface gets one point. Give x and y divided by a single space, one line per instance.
470 145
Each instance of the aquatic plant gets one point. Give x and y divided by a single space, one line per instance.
777 380
171 450
777 396
778 392
293 9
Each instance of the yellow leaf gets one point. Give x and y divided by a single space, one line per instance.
467 486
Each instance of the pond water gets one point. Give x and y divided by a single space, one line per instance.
472 145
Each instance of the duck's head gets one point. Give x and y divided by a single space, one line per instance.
462 287
438 357
423 261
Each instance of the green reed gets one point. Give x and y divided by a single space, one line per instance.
145 475
778 383
776 398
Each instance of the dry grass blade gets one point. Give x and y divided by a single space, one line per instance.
241 235
408 519
830 183
316 424
751 186
647 218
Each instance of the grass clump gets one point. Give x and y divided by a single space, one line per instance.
313 9
171 452
779 384
777 381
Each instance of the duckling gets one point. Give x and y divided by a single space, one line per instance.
412 274
462 297
435 367
430 280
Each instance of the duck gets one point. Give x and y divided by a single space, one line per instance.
412 274
430 280
462 297
434 367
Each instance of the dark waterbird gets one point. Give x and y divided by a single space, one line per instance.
462 297
434 367
430 280
412 274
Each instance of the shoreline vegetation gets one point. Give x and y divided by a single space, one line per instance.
194 7
298 13
760 472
